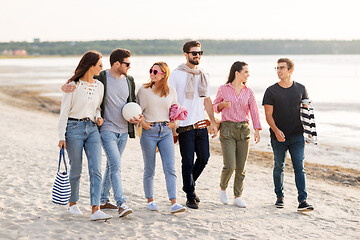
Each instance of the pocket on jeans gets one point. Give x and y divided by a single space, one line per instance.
224 130
72 124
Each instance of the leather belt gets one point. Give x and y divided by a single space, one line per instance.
81 120
198 125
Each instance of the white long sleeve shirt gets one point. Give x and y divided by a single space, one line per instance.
83 102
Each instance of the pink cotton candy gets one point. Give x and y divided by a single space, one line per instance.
177 112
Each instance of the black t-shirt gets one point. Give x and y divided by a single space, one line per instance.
286 103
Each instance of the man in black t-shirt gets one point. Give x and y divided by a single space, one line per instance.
282 110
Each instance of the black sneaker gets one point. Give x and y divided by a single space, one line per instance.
280 203
197 199
305 207
190 203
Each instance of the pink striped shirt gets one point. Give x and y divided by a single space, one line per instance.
241 105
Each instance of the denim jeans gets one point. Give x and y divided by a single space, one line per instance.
296 146
159 135
190 142
84 135
114 145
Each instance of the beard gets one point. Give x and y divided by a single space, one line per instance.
194 62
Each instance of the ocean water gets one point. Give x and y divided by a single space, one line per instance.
332 81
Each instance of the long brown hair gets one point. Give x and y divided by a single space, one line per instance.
163 87
236 67
89 59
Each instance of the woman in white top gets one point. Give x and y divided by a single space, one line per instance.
80 113
155 99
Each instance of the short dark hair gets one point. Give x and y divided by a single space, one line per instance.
190 44
119 55
289 62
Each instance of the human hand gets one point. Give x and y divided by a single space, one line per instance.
213 129
99 121
171 124
68 88
138 120
62 144
257 136
280 136
146 125
226 104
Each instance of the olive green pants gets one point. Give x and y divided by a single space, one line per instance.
235 142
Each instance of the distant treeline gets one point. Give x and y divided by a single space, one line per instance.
174 47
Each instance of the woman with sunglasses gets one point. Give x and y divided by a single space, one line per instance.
236 102
155 99
79 115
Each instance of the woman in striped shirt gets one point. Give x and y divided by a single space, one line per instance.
236 102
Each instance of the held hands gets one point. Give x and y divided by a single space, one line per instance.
99 121
68 88
171 125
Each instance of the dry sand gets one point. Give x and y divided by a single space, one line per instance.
29 157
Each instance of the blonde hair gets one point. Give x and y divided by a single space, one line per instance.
163 87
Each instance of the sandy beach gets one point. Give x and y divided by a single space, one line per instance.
29 157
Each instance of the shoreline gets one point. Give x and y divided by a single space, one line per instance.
29 97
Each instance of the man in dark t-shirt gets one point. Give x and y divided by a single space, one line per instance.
282 110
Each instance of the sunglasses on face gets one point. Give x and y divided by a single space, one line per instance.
154 71
195 53
126 63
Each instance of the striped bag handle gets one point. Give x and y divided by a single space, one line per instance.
62 156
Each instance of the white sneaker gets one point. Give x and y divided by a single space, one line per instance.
152 206
176 208
124 210
223 197
99 215
74 210
238 202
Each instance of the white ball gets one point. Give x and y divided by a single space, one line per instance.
131 110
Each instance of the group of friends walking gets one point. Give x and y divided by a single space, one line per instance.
91 117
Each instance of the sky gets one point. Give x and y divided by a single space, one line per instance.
85 20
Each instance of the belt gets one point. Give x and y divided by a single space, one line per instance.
159 123
198 125
81 120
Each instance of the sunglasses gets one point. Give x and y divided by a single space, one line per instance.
154 71
127 63
194 53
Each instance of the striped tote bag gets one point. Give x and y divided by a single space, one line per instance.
61 189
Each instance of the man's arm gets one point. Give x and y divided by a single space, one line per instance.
270 120
68 88
210 111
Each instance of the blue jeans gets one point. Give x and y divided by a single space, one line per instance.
193 141
296 146
84 135
114 145
159 135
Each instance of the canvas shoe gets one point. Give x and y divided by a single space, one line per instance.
305 207
99 215
176 208
280 202
223 197
124 210
108 206
238 202
152 206
74 210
